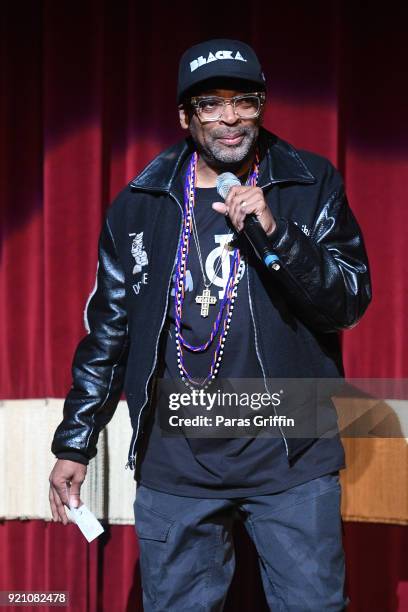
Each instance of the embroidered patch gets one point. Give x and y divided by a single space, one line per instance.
138 252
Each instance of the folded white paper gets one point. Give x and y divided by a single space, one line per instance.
87 522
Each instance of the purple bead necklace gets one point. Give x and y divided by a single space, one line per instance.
227 303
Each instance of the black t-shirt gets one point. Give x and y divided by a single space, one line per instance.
220 467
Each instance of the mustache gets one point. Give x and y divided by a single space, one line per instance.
234 133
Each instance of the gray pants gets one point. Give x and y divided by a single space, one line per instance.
187 553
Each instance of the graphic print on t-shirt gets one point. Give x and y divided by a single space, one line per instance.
216 270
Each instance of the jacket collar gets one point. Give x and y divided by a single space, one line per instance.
280 163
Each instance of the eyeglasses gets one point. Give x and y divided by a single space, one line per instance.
245 106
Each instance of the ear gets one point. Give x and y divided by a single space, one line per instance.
184 117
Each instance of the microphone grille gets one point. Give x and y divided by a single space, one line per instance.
225 181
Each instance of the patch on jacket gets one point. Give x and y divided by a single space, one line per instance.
140 256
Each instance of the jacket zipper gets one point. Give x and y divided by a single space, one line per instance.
132 455
259 357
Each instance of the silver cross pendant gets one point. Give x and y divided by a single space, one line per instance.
205 299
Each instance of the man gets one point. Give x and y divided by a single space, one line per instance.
182 297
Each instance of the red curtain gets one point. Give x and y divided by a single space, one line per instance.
105 576
87 98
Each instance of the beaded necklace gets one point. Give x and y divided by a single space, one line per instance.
227 303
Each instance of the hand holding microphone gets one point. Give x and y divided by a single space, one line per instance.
246 207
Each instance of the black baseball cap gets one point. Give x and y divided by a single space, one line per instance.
216 59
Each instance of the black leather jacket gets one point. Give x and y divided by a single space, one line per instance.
323 286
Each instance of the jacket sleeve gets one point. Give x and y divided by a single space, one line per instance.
326 275
99 362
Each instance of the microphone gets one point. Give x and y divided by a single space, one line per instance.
253 230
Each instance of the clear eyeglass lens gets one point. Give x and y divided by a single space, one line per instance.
247 107
212 108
